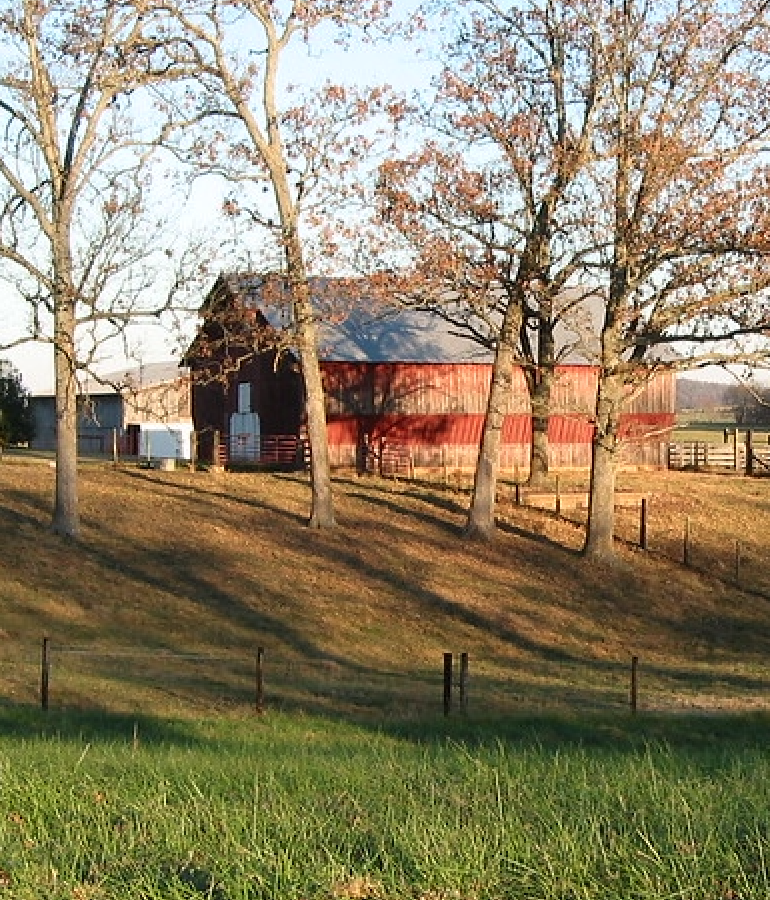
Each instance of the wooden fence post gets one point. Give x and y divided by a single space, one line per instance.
259 698
749 453
447 683
643 525
557 501
45 673
634 684
464 683
215 461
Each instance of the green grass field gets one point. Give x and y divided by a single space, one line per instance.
291 807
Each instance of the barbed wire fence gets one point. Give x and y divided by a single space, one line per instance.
144 680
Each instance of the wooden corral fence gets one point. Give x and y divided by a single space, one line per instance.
744 456
265 451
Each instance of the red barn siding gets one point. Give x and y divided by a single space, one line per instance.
437 410
422 389
574 390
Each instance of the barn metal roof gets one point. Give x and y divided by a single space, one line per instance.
354 328
396 335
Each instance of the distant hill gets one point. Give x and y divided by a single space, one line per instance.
694 394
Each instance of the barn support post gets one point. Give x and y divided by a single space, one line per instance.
45 672
114 446
557 499
193 450
215 453
448 666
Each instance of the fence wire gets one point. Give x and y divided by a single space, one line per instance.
149 681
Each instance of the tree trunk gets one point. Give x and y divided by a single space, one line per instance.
599 543
480 523
322 501
600 531
540 394
541 380
66 518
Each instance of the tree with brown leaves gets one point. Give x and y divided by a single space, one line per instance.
679 193
486 210
608 150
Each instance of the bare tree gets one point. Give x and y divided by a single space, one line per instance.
77 236
681 203
260 132
623 140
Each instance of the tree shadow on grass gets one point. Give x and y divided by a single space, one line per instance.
707 735
381 496
23 721
194 572
205 496
708 741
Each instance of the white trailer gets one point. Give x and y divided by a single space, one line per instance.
165 441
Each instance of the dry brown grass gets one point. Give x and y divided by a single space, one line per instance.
358 618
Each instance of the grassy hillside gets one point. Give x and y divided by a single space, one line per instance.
216 565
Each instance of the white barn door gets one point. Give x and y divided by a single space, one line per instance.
244 428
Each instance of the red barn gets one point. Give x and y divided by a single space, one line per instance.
395 378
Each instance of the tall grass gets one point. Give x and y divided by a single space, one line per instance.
297 807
